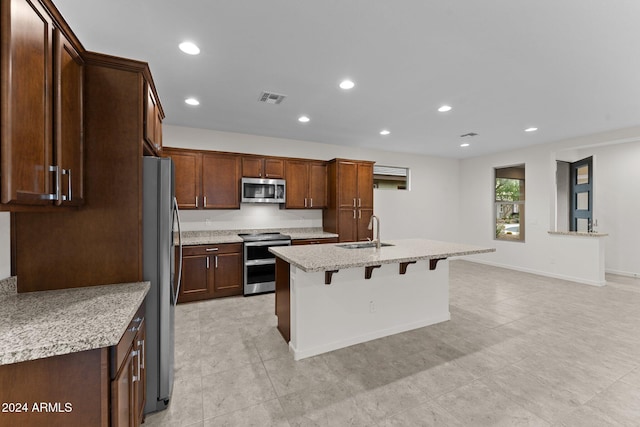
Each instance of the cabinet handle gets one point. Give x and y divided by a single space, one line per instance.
68 173
305 202
354 202
134 329
354 214
311 202
56 194
216 261
211 249
205 202
359 202
141 343
207 263
196 201
136 377
359 214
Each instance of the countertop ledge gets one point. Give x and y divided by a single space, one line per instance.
578 233
51 323
212 237
313 258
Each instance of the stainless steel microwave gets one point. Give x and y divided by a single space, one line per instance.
259 190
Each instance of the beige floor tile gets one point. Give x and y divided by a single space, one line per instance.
289 376
621 402
389 399
266 414
478 405
428 414
185 407
326 405
227 391
586 416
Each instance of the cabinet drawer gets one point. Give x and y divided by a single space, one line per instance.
120 351
224 248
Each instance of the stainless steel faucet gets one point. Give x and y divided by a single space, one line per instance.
370 227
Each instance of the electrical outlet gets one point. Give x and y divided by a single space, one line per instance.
372 307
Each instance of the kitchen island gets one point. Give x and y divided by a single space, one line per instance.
336 295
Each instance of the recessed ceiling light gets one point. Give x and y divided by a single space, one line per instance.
464 145
384 132
347 84
189 48
444 108
531 129
303 119
192 101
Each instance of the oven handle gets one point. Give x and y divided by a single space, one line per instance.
269 243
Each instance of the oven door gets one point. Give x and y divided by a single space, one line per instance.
260 266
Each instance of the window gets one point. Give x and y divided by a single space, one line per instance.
509 203
390 177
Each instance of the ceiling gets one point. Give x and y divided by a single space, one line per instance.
569 67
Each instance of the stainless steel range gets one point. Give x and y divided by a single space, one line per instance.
259 263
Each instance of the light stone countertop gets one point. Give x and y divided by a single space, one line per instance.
212 237
311 258
49 323
578 233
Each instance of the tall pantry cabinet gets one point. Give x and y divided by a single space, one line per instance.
350 199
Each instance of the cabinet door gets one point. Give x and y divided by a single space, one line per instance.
25 117
297 184
317 185
252 167
364 215
122 404
221 181
195 278
347 224
152 119
140 386
273 168
68 75
365 185
228 274
348 184
187 168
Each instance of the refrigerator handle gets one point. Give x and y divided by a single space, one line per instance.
177 289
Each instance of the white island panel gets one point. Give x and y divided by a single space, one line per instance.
353 310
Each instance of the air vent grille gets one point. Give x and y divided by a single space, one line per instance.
271 97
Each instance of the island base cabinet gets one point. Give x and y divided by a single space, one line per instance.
59 391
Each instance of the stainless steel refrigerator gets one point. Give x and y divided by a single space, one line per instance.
160 218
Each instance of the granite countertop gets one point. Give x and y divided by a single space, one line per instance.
209 237
310 258
49 323
578 233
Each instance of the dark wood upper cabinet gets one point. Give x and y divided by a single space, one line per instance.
27 68
68 75
306 184
187 169
262 167
42 110
220 181
153 116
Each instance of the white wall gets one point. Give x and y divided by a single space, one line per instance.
616 181
429 210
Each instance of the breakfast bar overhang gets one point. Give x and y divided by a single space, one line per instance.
335 295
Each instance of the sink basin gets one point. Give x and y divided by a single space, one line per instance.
362 245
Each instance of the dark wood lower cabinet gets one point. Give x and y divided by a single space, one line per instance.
101 387
211 271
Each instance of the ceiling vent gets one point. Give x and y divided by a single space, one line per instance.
271 98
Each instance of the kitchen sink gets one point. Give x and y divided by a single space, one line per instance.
362 245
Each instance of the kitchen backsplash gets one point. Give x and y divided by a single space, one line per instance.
250 216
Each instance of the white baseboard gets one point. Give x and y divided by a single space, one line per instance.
623 273
539 272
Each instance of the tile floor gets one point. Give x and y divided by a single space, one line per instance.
519 350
